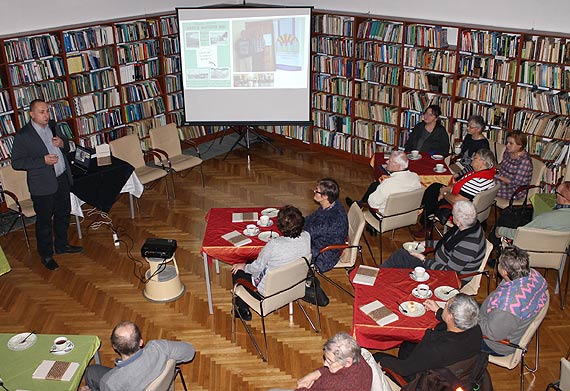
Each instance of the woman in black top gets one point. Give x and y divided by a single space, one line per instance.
429 135
474 141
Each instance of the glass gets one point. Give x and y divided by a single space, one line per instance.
316 191
328 360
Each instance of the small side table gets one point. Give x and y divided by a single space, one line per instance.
163 280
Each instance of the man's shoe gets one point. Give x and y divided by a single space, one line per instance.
244 312
50 263
69 249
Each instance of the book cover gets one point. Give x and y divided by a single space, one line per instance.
366 275
379 313
55 370
243 217
237 239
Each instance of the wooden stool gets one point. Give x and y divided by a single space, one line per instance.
163 280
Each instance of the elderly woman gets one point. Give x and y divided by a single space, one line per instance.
457 338
474 141
438 198
508 310
516 168
462 248
294 244
429 135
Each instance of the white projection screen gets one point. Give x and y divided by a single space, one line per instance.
245 65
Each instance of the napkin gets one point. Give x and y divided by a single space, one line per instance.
379 313
237 239
366 275
55 370
242 217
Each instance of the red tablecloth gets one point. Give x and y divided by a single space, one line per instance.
394 286
219 222
424 167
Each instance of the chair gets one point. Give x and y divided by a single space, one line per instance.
472 287
401 211
484 202
380 382
538 170
165 381
499 150
546 249
165 140
564 383
14 186
283 285
513 359
128 148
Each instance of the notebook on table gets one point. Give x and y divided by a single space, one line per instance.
55 370
366 275
243 217
237 239
379 313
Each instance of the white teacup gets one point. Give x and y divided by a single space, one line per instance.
264 220
457 150
251 229
439 167
423 290
415 153
60 343
419 272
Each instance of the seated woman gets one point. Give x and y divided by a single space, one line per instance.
457 338
516 168
429 135
474 141
294 244
462 248
327 225
508 310
465 188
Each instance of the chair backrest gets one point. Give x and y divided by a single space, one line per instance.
538 170
484 202
472 287
379 379
545 247
499 150
564 374
165 381
167 139
402 209
356 223
128 148
14 181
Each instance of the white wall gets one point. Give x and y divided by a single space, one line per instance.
549 15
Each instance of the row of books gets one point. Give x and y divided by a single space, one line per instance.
187 132
332 140
93 140
437 60
380 73
27 48
173 83
409 119
172 65
487 67
138 51
420 100
498 116
89 38
141 71
142 127
176 117
375 131
430 36
333 65
169 25
5 101
142 110
332 84
550 49
6 125
136 30
174 101
427 81
170 46
140 91
294 132
96 101
50 90
545 125
376 112
490 42
38 70
546 149
90 60
381 30
88 82
332 103
545 75
549 101
555 172
6 145
377 93
97 122
333 46
381 52
333 24
485 91
368 148
59 111
334 122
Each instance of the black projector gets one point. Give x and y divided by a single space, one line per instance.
158 248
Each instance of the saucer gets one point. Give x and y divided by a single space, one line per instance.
414 247
246 233
22 341
439 171
268 235
411 157
269 224
445 292
271 212
413 309
425 278
68 349
417 293
437 157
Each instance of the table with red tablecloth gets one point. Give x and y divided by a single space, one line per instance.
424 167
219 222
394 286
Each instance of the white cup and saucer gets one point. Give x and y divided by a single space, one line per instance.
419 274
422 291
414 155
61 345
457 150
439 167
265 221
251 230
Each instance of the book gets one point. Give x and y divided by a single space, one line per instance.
243 217
366 275
379 313
237 239
103 154
55 370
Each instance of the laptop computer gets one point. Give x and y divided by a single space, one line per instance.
82 158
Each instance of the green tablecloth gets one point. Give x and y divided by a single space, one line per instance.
4 265
16 368
542 203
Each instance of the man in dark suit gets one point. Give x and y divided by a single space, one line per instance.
40 150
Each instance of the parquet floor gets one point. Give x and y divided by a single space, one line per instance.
93 291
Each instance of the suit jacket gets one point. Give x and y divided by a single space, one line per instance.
28 155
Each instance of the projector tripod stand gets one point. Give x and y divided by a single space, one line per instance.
245 132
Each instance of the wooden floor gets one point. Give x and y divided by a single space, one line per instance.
93 291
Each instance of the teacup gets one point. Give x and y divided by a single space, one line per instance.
419 272
60 343
251 229
415 153
423 290
439 167
457 150
264 220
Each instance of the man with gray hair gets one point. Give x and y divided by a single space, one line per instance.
462 248
457 338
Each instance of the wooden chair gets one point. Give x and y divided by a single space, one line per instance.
472 287
14 186
401 211
512 360
282 286
165 140
165 381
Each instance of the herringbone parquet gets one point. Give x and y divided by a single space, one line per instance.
93 291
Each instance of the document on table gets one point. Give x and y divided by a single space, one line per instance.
55 370
366 275
379 313
243 217
237 239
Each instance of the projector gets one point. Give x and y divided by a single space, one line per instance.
158 248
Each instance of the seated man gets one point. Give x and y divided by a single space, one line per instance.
556 220
400 180
462 248
138 365
457 338
508 310
344 368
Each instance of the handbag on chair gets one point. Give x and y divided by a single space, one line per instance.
513 216
314 294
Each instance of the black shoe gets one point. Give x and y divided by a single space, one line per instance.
50 263
69 249
349 201
244 313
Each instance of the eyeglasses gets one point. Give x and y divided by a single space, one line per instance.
316 191
328 360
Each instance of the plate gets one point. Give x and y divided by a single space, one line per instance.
439 171
271 212
246 233
268 235
413 247
269 224
68 349
413 309
416 293
15 343
437 157
411 157
425 278
445 292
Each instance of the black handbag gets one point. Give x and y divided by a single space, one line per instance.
517 216
314 293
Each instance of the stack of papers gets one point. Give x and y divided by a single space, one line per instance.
237 239
379 313
242 217
366 275
55 370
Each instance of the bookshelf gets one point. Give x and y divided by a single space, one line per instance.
7 127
